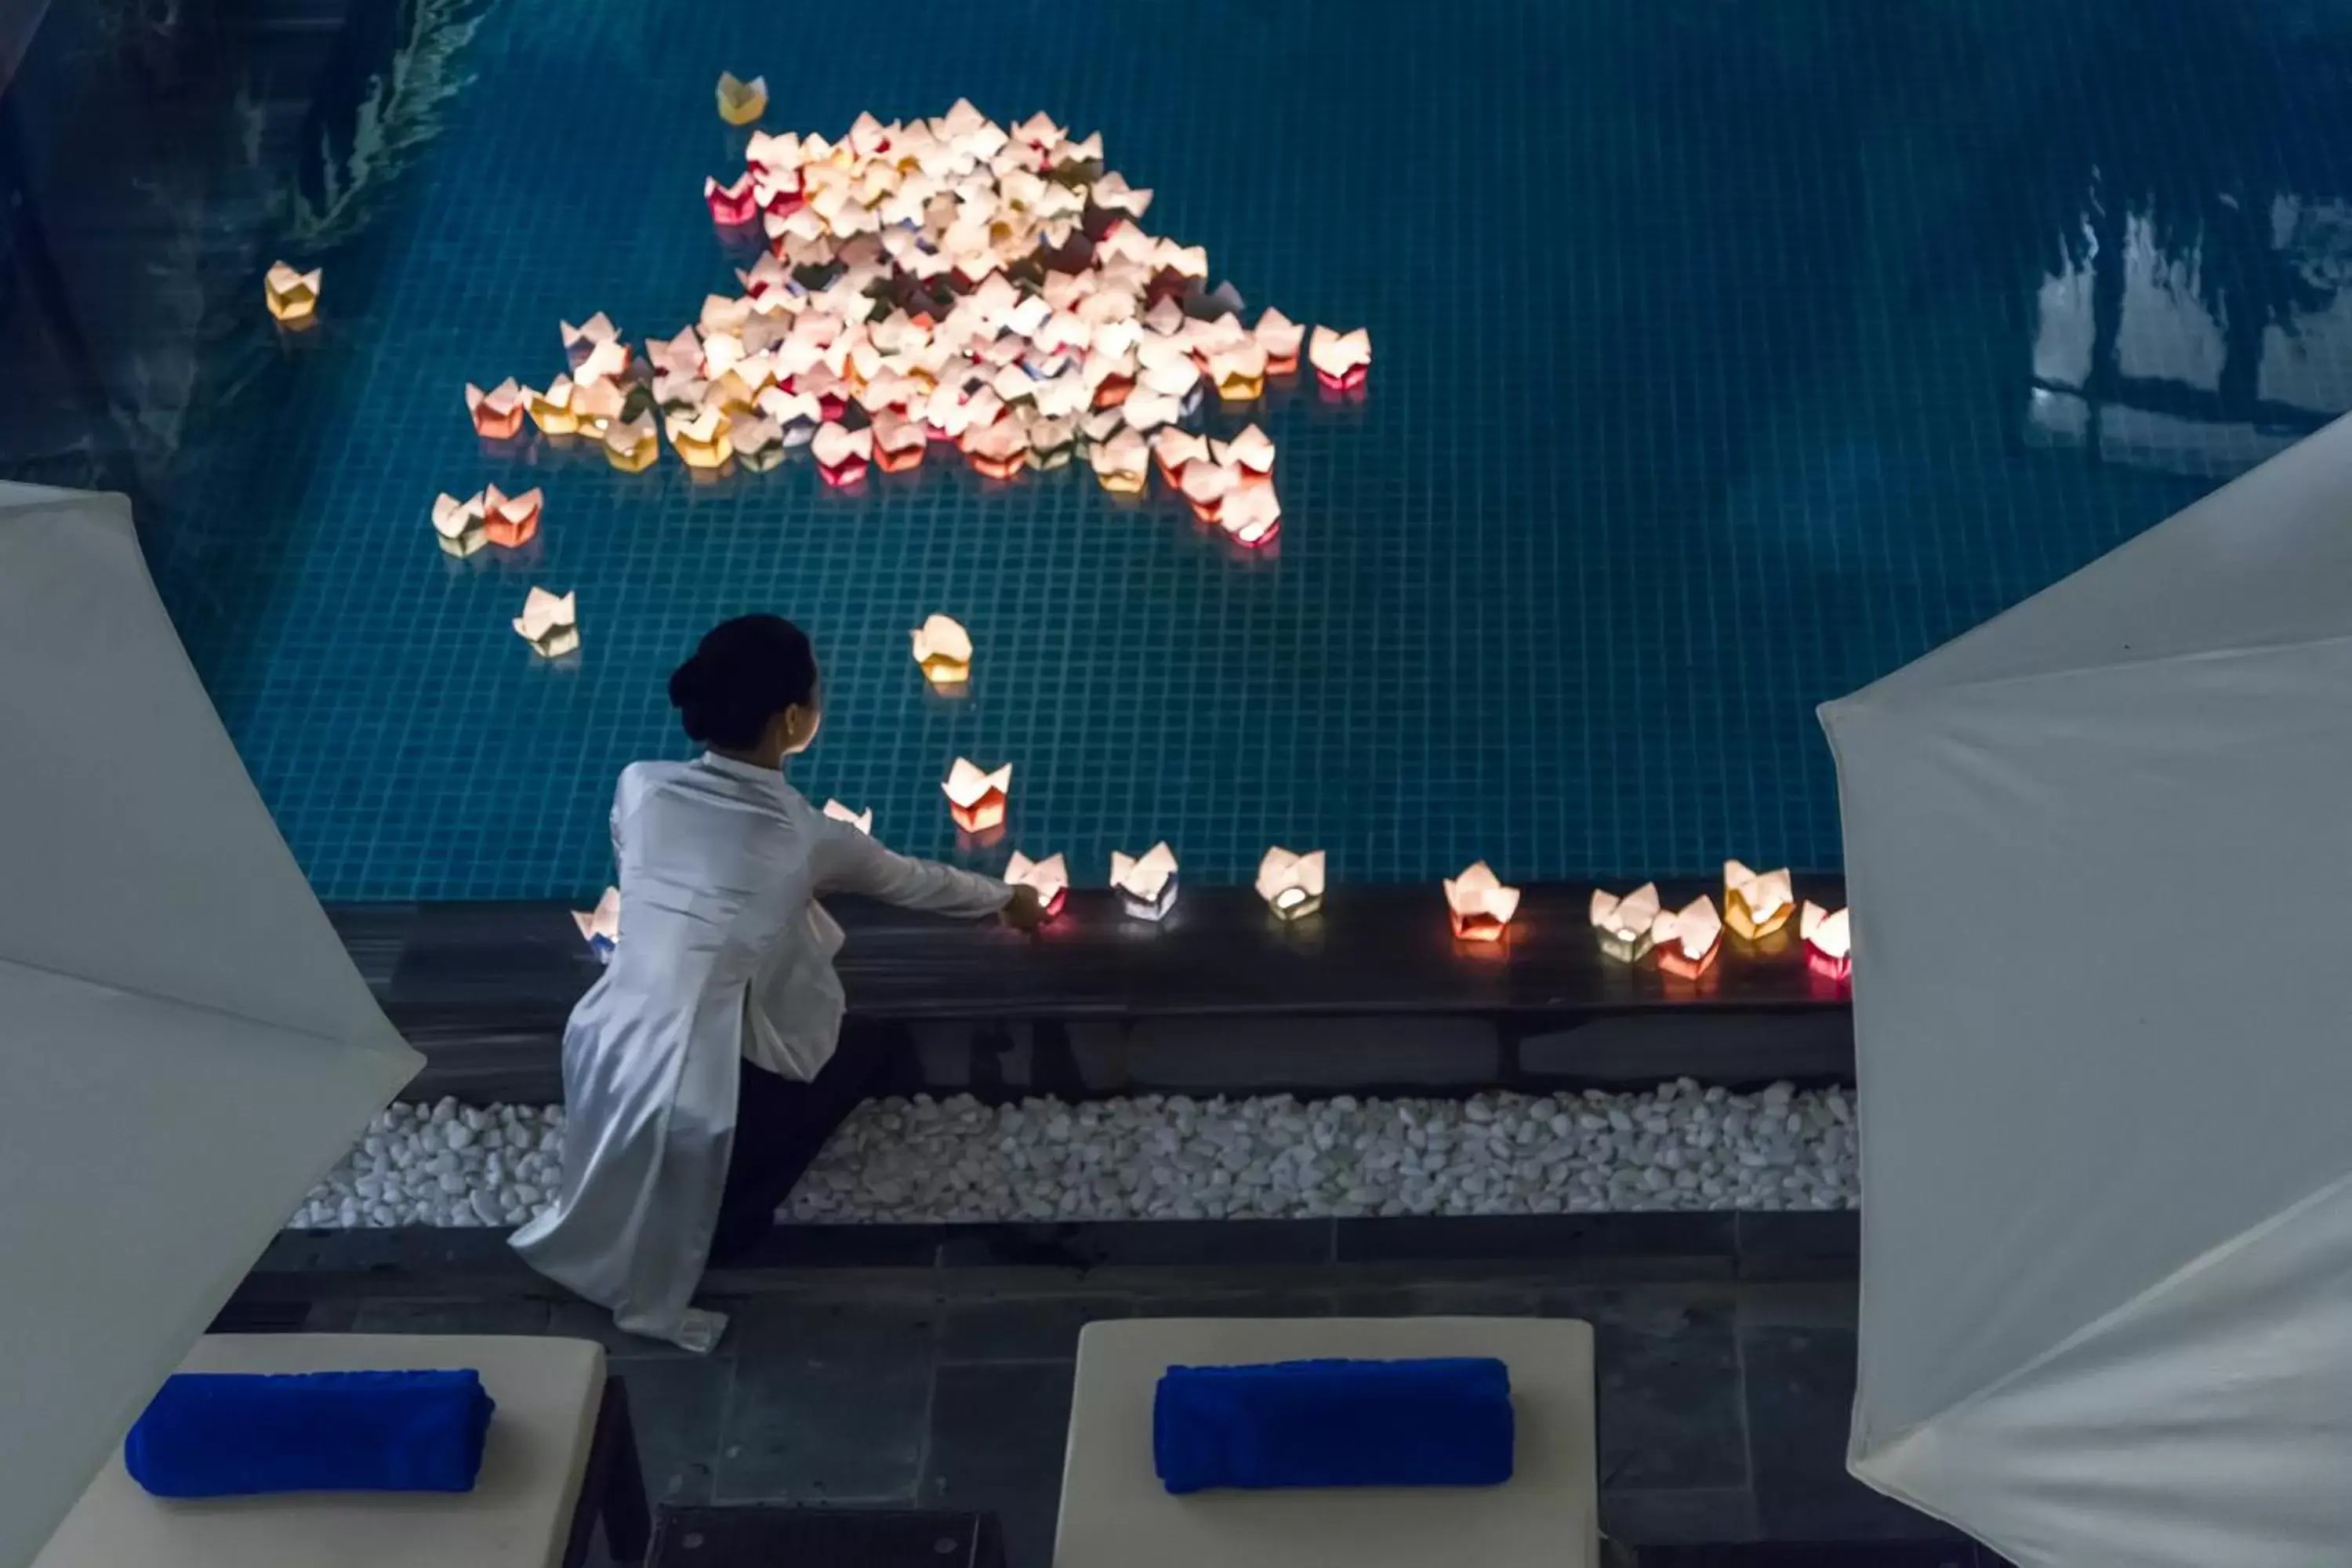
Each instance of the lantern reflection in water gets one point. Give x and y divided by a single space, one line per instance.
1049 877
1291 885
1146 883
976 797
1479 905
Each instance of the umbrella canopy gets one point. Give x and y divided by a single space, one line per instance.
186 1046
2097 852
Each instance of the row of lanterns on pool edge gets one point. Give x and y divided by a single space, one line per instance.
1758 906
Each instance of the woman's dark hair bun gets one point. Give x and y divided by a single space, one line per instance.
742 674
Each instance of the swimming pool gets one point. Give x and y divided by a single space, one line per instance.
1728 356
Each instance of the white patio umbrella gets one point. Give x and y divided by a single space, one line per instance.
186 1047
2098 853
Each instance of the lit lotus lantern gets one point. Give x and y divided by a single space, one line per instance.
1623 925
700 439
461 525
511 521
777 154
1479 905
842 455
1174 377
1120 463
1013 383
1252 451
1291 885
550 623
1147 411
733 392
1340 359
898 441
632 445
1165 319
680 355
600 928
1688 940
1061 397
796 414
733 206
1175 451
603 362
741 102
498 413
1049 879
1755 903
1052 443
677 391
1279 336
1205 486
1110 373
595 405
944 650
1001 450
976 798
1239 373
1114 194
583 339
1190 261
861 820
292 297
1146 883
1252 515
552 410
758 441
1828 936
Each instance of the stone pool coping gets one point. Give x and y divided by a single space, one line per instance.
483 989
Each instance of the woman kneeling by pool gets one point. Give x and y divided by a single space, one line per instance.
701 1073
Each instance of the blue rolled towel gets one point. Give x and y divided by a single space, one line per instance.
1435 1422
212 1434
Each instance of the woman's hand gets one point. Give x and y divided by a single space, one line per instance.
1026 911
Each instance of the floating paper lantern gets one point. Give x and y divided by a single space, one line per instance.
1000 451
1755 903
1205 486
510 521
1623 925
1175 451
1252 451
1252 515
1147 411
1291 885
603 364
1049 879
600 928
579 341
861 820
632 445
943 648
795 413
700 439
292 297
461 525
498 413
552 410
976 798
1480 905
1239 373
842 455
550 623
1688 940
1121 464
1279 336
1146 883
741 102
679 392
898 441
1828 936
732 204
1052 443
758 441
1113 193
1340 359
595 405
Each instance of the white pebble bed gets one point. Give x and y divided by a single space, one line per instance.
1154 1156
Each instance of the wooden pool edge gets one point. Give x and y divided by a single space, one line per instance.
1372 995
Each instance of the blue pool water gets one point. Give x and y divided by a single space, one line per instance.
1729 355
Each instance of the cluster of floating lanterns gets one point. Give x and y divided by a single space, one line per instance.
948 282
1757 908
